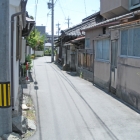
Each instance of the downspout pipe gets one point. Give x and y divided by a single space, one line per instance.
12 56
23 12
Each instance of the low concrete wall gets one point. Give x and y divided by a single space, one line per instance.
102 74
41 53
128 81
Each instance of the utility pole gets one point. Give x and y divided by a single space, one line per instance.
68 19
5 99
52 55
51 6
58 28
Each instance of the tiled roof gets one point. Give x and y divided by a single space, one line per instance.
75 30
118 18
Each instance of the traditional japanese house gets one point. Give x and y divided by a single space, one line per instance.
117 52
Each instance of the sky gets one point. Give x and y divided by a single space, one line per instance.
76 10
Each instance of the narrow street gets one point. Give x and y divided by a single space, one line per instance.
70 108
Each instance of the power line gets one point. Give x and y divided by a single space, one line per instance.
62 9
68 12
85 8
55 2
73 10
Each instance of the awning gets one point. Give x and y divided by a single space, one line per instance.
123 25
29 20
29 26
68 44
78 39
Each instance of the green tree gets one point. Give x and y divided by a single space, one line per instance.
35 40
41 41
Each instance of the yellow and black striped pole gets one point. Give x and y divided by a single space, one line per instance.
5 96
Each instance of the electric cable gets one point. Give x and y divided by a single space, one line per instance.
62 9
85 8
55 2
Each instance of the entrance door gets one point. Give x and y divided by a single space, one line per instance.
114 52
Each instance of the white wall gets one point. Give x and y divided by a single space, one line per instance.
32 51
14 8
23 51
29 50
39 53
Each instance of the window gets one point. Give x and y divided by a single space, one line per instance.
87 43
102 49
134 4
104 30
130 42
124 42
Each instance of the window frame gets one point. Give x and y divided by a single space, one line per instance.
98 59
127 56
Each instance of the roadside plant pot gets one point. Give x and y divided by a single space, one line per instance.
81 74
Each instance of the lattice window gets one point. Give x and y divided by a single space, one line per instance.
87 43
124 42
130 40
102 49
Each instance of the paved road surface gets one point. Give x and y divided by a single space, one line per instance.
70 108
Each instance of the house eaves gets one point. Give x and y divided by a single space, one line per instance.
125 25
78 39
103 25
29 26
113 20
29 20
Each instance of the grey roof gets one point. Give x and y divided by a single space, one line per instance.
137 12
91 16
75 30
87 22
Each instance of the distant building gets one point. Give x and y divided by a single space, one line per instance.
49 38
41 29
47 46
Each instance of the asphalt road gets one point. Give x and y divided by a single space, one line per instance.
70 108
